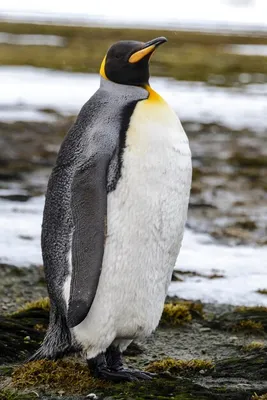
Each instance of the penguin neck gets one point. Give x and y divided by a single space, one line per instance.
114 88
151 95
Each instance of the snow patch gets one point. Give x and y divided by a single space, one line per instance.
248 49
65 92
32 40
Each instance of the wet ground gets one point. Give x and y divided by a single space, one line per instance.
229 193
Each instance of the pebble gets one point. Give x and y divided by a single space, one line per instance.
205 329
233 338
5 299
92 396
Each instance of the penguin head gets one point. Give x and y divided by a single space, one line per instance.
126 62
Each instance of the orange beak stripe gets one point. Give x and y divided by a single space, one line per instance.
135 57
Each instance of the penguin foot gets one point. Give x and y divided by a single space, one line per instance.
116 376
111 369
137 374
100 369
115 364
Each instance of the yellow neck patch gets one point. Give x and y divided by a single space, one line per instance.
153 96
102 68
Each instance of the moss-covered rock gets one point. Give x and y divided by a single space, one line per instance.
262 397
40 304
175 314
251 367
40 327
247 319
253 346
180 312
20 334
66 375
249 326
183 367
245 310
243 160
8 394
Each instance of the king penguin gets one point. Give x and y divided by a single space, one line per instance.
114 216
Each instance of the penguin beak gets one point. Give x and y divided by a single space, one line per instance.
147 48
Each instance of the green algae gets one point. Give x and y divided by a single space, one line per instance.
262 397
175 314
70 376
42 304
180 312
253 346
175 366
249 326
8 394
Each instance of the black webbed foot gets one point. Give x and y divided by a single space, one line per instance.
109 367
114 362
101 370
116 376
137 374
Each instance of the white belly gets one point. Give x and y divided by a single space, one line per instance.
145 224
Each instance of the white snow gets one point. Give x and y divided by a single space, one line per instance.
248 49
244 268
11 115
20 225
32 40
32 88
207 14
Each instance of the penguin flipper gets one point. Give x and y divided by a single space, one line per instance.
89 209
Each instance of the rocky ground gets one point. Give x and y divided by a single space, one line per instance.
228 197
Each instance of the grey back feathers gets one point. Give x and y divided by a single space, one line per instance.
87 168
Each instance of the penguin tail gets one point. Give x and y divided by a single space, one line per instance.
57 342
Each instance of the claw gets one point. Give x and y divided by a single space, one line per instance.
139 375
115 376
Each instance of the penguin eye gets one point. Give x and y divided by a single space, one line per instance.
118 55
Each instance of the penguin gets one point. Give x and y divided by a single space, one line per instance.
114 216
